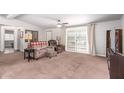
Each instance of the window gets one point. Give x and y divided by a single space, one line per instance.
77 39
9 35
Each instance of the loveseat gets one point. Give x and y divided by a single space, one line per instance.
41 49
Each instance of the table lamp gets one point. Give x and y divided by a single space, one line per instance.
28 36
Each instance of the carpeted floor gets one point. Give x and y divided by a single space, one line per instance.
65 66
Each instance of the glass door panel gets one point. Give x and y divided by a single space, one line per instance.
82 40
71 44
9 41
77 40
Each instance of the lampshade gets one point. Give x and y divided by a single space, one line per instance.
28 36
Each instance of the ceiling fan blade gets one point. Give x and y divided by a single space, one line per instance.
65 23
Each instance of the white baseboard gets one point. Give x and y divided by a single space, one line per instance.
100 55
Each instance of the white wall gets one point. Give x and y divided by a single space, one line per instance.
55 32
100 35
0 37
18 23
122 25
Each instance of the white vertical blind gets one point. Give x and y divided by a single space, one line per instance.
77 39
9 36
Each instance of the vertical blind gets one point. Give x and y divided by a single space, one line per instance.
77 39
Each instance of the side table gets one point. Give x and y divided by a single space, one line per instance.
29 54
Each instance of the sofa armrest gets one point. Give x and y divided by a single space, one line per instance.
40 52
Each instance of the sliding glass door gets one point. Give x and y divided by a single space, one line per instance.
9 41
77 39
71 41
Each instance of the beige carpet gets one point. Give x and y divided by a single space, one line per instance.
65 66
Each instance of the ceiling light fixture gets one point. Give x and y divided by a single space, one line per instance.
59 24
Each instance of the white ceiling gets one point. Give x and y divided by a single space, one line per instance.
50 20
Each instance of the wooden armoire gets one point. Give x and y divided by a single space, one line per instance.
115 59
118 40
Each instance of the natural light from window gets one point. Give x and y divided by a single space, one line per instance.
77 39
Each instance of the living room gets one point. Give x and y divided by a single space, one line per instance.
58 48
70 64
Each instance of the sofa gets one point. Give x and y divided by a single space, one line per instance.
41 49
39 53
50 52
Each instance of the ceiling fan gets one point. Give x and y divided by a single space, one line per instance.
60 24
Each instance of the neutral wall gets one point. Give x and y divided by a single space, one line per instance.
60 32
0 36
122 25
15 22
100 35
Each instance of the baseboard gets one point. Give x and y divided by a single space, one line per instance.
100 55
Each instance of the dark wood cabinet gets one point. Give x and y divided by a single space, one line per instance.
115 59
29 54
116 68
118 40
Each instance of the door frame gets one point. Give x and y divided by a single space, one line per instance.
3 28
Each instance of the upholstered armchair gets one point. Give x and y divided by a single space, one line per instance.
60 48
51 49
52 43
57 48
